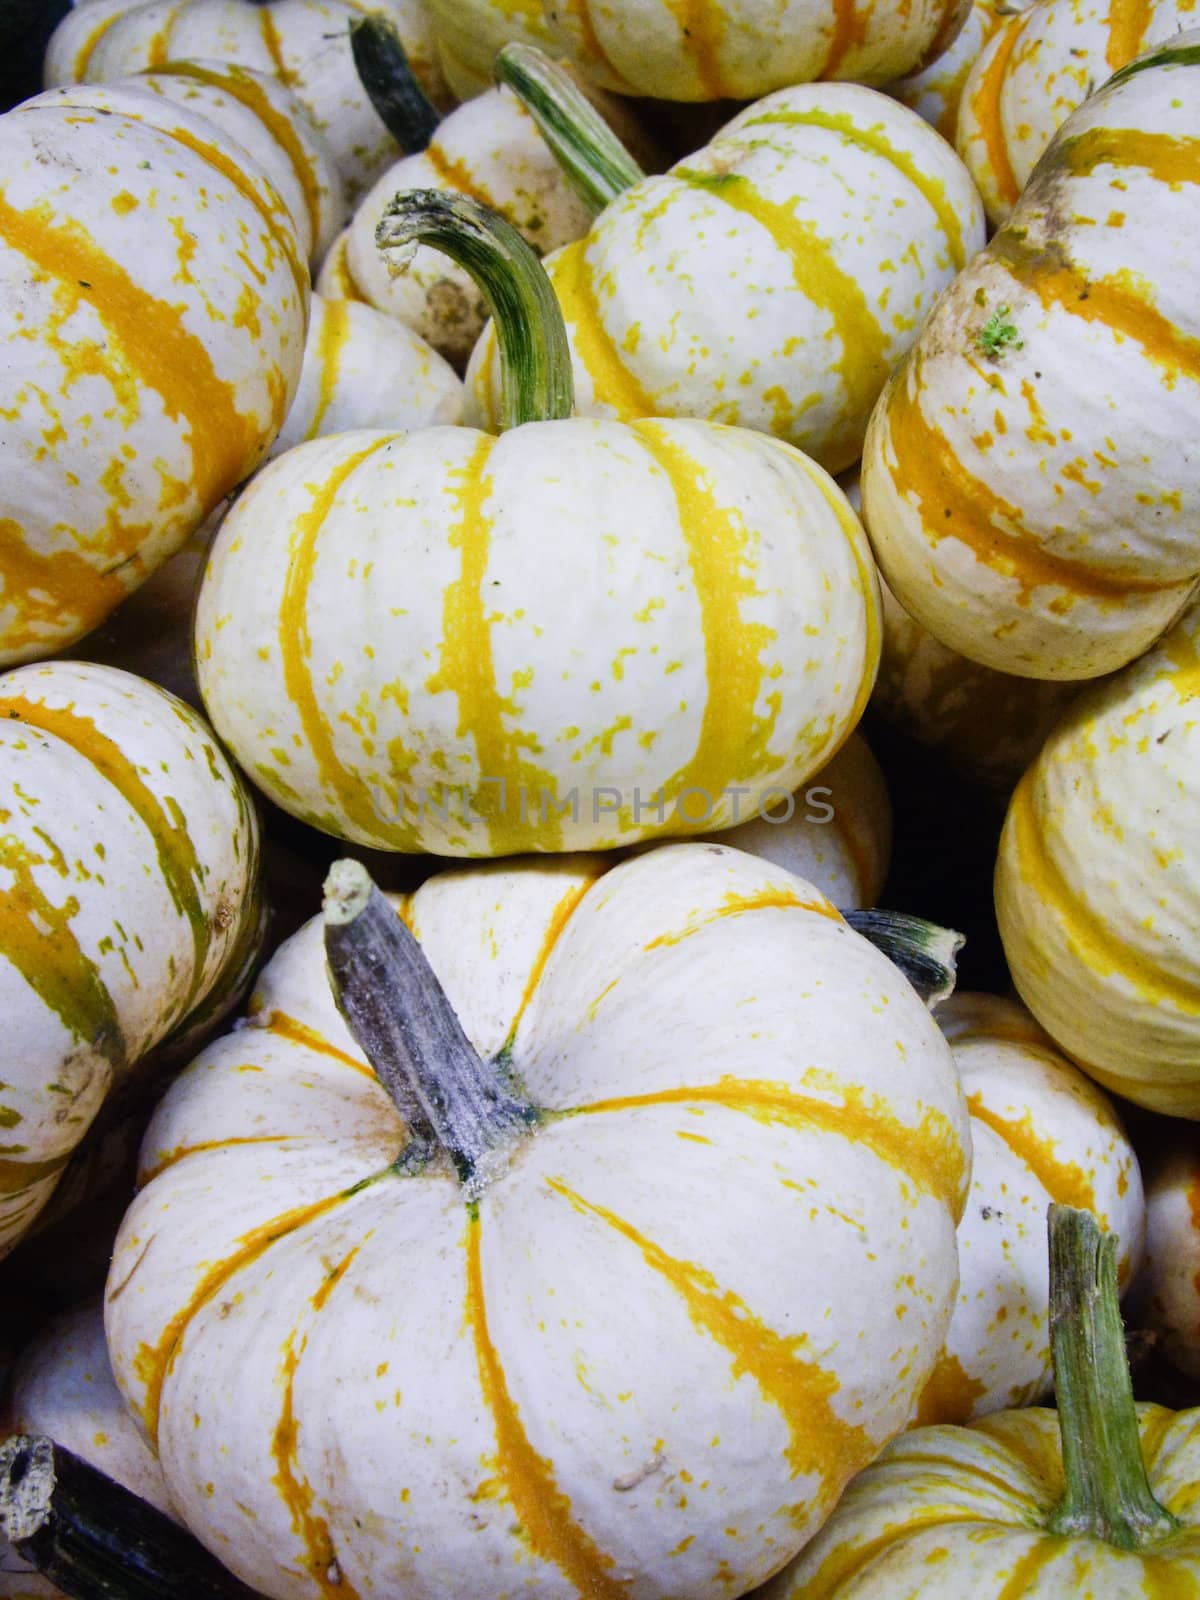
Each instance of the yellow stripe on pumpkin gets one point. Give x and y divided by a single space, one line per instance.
1127 21
591 343
1064 1181
985 106
702 30
331 347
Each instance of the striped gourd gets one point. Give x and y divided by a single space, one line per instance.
483 1411
1036 69
469 33
1027 482
152 327
1096 1500
129 869
1166 1296
304 43
770 280
1040 1132
576 635
1098 879
741 49
936 92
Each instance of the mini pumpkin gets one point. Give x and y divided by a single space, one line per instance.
129 870
1167 1293
1025 485
1098 879
470 32
936 92
493 1415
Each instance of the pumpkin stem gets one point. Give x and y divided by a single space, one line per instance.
383 70
535 358
405 1025
594 161
924 951
91 1536
1108 1495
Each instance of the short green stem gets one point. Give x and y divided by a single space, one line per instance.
924 951
403 1021
1108 1494
535 358
594 161
96 1540
393 90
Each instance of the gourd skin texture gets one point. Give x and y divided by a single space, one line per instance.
771 280
1167 1292
409 640
498 1430
742 49
1028 490
470 32
63 1386
491 150
936 92
946 1512
305 43
1041 1133
1036 70
154 313
839 833
128 891
1098 880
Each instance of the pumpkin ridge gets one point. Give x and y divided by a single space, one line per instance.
865 1120
274 45
543 1512
176 854
555 927
182 1151
295 645
823 1444
734 904
83 58
582 12
701 29
591 343
870 139
331 346
863 365
868 582
300 1033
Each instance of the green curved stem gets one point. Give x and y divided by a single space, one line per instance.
924 951
594 161
402 1019
393 90
1108 1494
535 358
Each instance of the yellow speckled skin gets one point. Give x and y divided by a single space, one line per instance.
1036 69
771 280
305 43
950 1512
741 49
1166 1295
128 891
1041 1133
1029 479
469 33
562 1394
936 92
63 1386
154 306
1098 879
410 640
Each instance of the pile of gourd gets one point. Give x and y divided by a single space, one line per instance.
417 428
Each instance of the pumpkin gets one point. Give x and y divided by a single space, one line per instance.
936 92
1028 493
432 682
304 43
1041 1132
63 1386
500 1425
151 353
1166 1295
1098 879
835 833
1097 1500
130 862
1035 70
742 49
265 118
770 280
470 32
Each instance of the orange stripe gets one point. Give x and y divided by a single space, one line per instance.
288 1028
701 32
985 105
1127 21
1064 1181
555 927
734 904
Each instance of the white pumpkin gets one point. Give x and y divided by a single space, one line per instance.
1041 1133
151 352
469 33
1035 70
62 1386
771 280
128 896
1166 1295
1098 879
1029 482
484 1411
936 92
304 43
